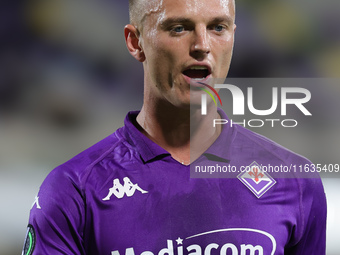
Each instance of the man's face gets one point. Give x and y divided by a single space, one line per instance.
185 42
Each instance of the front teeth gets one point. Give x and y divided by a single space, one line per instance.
198 68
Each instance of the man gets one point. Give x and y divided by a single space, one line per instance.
154 207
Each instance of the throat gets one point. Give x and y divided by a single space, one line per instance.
182 157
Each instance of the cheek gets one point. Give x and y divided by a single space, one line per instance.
165 56
159 65
222 64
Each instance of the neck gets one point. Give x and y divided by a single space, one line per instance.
183 132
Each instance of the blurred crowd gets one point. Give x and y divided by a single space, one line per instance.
74 52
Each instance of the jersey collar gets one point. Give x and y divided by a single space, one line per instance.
220 149
147 149
150 151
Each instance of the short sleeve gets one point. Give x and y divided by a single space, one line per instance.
311 237
56 222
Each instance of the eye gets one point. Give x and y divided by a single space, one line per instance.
219 28
177 29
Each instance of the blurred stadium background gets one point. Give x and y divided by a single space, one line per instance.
66 81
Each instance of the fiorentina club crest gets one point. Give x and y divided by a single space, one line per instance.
255 179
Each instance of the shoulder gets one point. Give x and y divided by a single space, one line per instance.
59 212
76 170
298 181
294 170
287 167
265 148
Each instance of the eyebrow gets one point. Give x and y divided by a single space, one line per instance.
170 21
179 20
228 19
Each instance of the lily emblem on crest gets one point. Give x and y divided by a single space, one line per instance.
120 190
256 180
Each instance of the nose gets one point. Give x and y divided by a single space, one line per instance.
201 42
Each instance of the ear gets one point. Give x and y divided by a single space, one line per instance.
132 42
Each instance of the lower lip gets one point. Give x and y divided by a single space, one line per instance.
196 82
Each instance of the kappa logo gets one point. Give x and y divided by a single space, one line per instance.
36 202
256 180
120 190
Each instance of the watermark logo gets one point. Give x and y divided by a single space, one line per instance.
204 97
256 180
244 102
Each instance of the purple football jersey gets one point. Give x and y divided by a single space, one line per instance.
127 196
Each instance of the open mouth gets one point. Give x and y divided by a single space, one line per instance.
197 72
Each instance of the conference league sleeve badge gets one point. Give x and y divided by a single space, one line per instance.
30 240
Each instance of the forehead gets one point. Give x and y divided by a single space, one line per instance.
163 9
